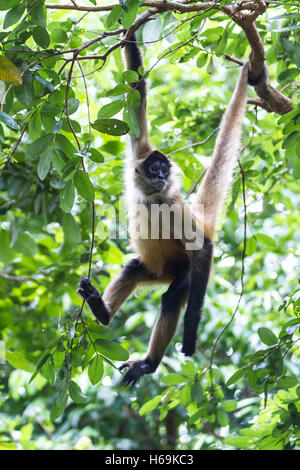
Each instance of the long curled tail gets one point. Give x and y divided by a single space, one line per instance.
217 179
134 61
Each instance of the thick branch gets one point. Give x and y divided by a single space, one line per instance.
162 5
272 99
243 14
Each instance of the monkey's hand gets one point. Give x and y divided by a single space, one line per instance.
136 370
88 292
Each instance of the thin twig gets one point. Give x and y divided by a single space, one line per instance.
242 278
66 100
195 144
7 162
20 279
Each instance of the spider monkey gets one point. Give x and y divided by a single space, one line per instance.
150 181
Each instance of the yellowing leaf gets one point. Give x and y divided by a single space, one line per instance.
9 72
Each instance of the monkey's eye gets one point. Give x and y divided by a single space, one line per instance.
153 168
164 170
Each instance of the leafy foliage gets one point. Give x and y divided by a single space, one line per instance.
63 124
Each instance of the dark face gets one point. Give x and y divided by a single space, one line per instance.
157 170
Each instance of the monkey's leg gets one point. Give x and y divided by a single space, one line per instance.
200 270
103 308
163 331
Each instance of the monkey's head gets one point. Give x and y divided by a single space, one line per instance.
153 172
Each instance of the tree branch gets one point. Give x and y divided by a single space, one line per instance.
243 14
271 99
163 5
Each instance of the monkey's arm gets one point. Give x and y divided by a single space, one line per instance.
134 61
103 308
217 179
200 270
163 331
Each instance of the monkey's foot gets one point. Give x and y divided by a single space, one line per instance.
88 292
137 369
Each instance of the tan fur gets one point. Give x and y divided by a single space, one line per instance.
119 289
141 145
217 179
165 259
163 332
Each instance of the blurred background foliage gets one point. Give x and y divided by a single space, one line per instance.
60 387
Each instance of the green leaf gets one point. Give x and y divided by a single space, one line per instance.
287 381
201 60
9 121
114 15
19 361
152 30
188 368
210 67
41 37
288 28
229 405
185 395
57 411
174 379
65 145
265 240
111 126
222 418
237 376
129 16
25 244
58 358
13 15
291 140
96 156
130 76
84 185
59 36
110 109
111 350
267 336
251 246
38 12
288 116
45 164
46 84
25 92
8 4
76 393
150 405
119 89
5 445
42 361
39 146
48 370
131 118
73 105
67 197
95 370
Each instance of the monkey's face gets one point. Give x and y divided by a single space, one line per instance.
154 172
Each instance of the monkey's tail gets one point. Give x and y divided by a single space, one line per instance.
134 61
217 179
